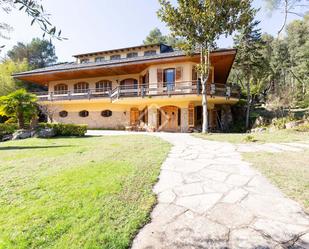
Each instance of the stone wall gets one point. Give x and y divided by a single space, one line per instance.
226 117
118 120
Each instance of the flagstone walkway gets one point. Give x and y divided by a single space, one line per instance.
208 197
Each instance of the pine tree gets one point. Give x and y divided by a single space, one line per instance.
249 58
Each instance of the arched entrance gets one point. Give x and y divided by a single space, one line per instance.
169 118
128 87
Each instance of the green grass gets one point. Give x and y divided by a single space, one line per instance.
279 136
92 192
289 171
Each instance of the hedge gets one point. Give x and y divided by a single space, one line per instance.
65 129
6 129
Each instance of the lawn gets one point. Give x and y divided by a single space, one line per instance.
92 192
265 137
289 171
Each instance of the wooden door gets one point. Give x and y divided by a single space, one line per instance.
169 118
134 117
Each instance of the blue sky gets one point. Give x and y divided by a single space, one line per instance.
92 25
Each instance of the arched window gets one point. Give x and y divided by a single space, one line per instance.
103 86
83 113
106 113
129 87
61 89
63 114
81 87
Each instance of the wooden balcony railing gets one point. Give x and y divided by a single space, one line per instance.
144 90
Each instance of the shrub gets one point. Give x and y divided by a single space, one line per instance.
250 138
66 129
280 122
6 129
302 128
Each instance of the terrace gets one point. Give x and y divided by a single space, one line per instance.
143 90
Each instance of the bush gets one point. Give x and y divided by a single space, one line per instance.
6 129
280 122
302 128
250 138
66 129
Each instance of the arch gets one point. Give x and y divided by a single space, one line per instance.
169 117
129 86
61 89
103 86
81 87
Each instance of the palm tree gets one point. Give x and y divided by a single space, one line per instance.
19 104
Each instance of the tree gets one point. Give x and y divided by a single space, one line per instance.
249 58
156 36
201 23
39 53
294 7
35 11
7 68
20 105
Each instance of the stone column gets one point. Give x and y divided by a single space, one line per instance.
152 117
184 120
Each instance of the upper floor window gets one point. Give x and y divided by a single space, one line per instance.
115 57
61 89
99 59
103 86
84 60
150 52
132 55
81 87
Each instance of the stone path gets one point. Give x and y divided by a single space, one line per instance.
273 147
208 197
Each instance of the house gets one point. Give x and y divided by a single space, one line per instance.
151 87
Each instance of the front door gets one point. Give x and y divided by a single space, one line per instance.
134 117
169 118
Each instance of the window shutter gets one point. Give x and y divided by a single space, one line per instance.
191 115
194 73
210 76
179 74
160 77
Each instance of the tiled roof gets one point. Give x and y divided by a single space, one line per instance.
76 66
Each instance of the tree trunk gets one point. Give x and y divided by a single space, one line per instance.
248 103
21 120
205 64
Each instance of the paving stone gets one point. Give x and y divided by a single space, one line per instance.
166 196
189 189
276 208
214 174
279 231
211 186
249 239
195 231
199 203
237 180
230 215
235 195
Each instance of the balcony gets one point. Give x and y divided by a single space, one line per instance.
144 90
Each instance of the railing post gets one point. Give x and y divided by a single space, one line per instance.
143 91
51 96
212 89
118 92
89 93
228 92
69 95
